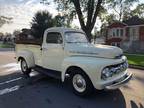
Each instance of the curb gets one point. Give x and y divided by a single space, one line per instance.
136 67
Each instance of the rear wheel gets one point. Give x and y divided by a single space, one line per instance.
24 67
81 83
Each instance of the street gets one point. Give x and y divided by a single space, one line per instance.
41 91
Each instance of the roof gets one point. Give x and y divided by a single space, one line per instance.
117 24
135 20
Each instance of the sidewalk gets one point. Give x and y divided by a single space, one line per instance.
135 54
136 67
6 49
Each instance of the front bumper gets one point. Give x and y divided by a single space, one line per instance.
119 83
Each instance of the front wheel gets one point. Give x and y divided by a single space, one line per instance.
81 83
24 67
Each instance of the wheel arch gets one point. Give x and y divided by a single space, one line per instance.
71 68
20 58
27 56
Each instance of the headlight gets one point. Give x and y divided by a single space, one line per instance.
106 73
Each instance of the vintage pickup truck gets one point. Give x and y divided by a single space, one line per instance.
66 54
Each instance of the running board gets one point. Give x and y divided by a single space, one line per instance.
51 73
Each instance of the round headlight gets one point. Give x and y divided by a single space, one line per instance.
106 73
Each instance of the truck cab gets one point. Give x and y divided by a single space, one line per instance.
66 54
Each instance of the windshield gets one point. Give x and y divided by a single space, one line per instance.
75 37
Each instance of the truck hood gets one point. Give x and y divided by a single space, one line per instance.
96 50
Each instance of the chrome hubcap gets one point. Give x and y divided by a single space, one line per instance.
79 83
24 66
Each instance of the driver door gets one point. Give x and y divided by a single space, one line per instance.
53 51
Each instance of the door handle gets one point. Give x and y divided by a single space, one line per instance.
44 48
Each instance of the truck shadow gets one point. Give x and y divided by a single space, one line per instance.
44 92
134 105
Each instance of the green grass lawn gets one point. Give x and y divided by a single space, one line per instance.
6 46
136 59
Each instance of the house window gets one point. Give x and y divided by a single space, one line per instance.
118 32
121 32
134 33
114 34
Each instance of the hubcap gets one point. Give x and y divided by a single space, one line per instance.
24 66
79 83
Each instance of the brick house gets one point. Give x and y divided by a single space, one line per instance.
129 34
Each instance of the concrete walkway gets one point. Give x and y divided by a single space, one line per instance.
6 49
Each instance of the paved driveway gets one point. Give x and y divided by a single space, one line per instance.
45 92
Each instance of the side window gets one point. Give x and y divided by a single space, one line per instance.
54 38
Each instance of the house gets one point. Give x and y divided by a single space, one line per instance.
129 34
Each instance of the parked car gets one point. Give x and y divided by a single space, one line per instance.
66 53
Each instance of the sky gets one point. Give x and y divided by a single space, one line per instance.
22 12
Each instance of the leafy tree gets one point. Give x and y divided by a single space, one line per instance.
16 32
121 7
61 21
1 35
43 20
86 10
108 19
40 22
138 11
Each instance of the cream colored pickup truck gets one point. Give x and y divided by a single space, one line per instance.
66 54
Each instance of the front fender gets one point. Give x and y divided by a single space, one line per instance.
28 56
92 66
85 63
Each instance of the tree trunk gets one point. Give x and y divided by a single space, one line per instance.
91 16
89 35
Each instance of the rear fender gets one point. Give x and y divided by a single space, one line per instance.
28 56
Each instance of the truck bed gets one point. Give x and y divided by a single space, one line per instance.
35 49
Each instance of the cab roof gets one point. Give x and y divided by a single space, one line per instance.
63 29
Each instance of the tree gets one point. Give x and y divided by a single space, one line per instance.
120 7
40 22
108 19
61 21
43 20
4 20
1 36
16 32
138 11
86 10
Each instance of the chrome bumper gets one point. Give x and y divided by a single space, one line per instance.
119 83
